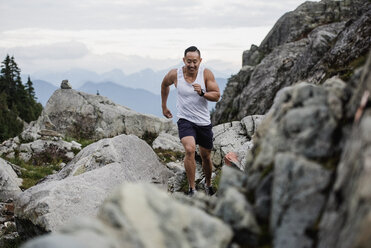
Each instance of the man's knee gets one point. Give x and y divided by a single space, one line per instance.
205 154
190 149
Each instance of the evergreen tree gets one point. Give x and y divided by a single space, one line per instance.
16 100
30 89
10 125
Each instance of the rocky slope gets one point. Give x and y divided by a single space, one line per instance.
304 174
305 184
313 43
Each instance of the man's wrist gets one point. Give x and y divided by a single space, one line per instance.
202 92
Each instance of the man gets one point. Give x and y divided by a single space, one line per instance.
196 86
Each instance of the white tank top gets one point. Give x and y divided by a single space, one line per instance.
190 105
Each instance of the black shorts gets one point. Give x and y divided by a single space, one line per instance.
203 134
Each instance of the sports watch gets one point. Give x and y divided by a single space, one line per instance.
202 92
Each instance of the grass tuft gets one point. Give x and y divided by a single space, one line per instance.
30 173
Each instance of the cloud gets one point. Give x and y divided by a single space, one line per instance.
130 50
117 14
55 51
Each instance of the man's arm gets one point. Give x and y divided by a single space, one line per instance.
212 89
168 80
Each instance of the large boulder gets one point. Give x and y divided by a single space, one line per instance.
77 114
297 199
141 216
296 24
234 208
289 167
346 219
168 141
81 186
9 181
313 43
235 137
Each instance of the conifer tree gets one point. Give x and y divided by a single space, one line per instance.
16 100
30 89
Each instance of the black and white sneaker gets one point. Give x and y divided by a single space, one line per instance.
191 192
209 190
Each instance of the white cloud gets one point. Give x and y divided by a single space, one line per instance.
55 51
132 35
132 49
116 14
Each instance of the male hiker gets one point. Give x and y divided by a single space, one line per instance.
196 86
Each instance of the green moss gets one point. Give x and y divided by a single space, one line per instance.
75 150
167 156
216 181
149 137
345 72
30 173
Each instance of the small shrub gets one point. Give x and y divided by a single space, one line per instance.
149 137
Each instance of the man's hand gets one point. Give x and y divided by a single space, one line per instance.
197 88
166 112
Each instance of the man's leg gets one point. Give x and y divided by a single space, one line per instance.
207 164
189 145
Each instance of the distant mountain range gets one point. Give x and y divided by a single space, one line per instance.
146 79
136 98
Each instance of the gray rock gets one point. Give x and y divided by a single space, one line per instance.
303 121
9 146
229 137
62 241
157 221
251 124
313 43
346 222
234 209
297 200
200 200
9 181
48 151
167 141
133 153
232 178
251 57
296 24
179 181
81 115
66 85
40 151
143 216
80 187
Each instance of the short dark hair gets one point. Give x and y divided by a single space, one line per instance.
192 49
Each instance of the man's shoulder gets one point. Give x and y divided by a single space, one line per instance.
208 73
171 76
173 72
207 69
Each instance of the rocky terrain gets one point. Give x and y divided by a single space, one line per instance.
302 175
315 42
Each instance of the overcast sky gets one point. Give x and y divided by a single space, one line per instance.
102 35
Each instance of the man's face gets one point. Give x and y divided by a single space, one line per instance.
192 61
